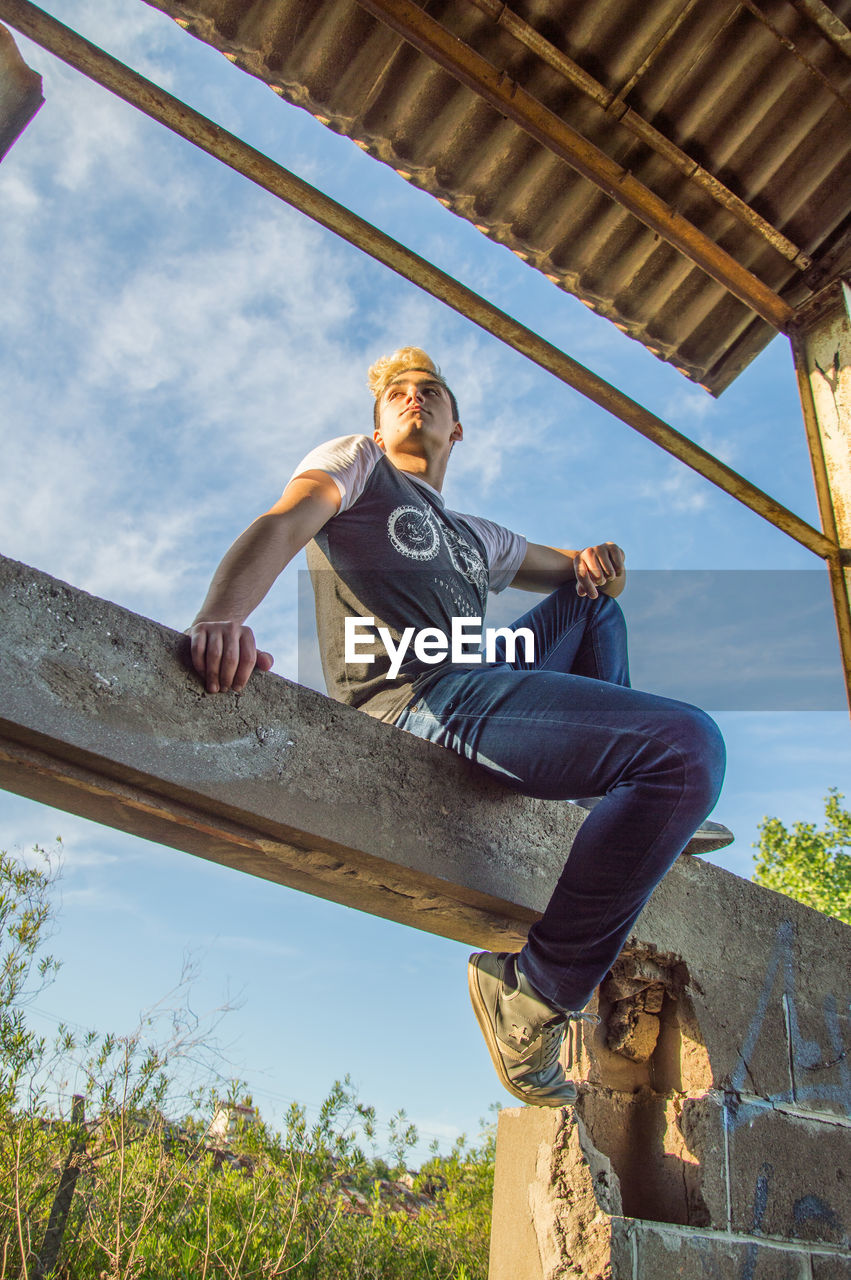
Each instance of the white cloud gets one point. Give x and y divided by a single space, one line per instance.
83 133
688 407
73 844
97 898
676 488
159 376
266 947
19 196
151 553
240 332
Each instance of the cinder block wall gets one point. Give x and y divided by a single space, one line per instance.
712 1139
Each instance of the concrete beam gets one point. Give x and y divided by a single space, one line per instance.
101 715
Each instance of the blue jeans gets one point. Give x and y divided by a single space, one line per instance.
568 725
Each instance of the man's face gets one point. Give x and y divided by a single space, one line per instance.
415 407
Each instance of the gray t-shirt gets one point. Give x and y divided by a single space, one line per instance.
394 553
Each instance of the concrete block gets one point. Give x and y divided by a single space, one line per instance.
659 1177
622 1251
757 1063
758 963
514 1242
820 1053
754 1005
666 1255
554 1199
702 1125
788 1176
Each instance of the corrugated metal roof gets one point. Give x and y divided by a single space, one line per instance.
772 122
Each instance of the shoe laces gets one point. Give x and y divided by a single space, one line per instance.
553 1034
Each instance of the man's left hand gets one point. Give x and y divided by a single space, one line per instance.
598 569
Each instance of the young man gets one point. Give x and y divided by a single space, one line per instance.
559 723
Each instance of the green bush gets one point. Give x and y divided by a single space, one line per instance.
809 864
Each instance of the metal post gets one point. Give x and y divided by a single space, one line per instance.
821 343
48 1255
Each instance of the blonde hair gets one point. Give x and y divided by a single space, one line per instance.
386 368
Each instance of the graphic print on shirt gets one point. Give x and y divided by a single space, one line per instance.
414 532
468 561
460 605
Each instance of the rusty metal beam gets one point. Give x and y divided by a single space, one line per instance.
831 26
821 345
238 155
614 105
511 100
655 51
782 38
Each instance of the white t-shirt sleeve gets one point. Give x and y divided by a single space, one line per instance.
506 550
348 460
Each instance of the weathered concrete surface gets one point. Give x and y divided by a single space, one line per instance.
826 1268
553 1200
758 985
717 1086
658 1174
20 92
100 714
556 1203
740 1119
555 1216
781 1175
666 1255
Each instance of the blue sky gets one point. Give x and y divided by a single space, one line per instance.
172 341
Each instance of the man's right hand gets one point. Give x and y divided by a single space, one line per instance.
224 655
223 650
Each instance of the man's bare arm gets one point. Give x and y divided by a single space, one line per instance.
224 652
594 570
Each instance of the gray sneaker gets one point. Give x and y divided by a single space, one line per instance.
709 837
523 1033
